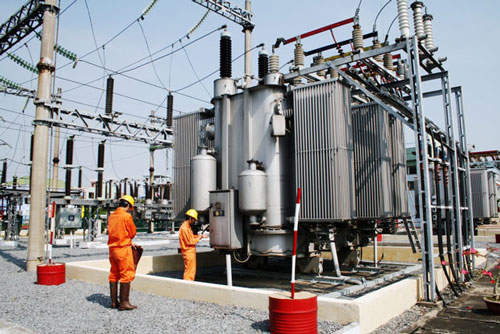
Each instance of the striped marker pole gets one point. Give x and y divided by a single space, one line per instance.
295 228
52 228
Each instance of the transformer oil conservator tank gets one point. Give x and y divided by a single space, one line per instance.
203 180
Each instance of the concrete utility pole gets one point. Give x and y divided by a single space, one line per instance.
248 46
41 141
55 172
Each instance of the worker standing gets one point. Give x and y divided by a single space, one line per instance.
188 241
121 231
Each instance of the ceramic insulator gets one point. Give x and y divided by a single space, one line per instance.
357 37
418 21
429 41
403 18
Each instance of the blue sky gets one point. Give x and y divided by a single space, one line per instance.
463 31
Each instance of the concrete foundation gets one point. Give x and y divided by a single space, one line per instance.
369 311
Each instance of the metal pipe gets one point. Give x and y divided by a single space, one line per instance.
229 273
38 191
248 47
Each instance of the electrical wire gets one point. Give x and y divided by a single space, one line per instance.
93 35
194 71
168 54
217 70
149 53
388 30
376 17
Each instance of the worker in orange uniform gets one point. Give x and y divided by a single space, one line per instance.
121 231
188 244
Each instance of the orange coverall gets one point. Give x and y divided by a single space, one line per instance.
188 249
121 231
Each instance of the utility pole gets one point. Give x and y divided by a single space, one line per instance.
41 140
55 172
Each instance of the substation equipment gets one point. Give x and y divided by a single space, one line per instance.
335 130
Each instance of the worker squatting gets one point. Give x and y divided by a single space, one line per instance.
124 255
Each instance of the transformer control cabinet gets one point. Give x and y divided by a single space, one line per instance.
226 230
69 217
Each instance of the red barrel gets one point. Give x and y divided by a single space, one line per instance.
293 316
51 274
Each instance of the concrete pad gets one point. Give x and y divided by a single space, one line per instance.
369 311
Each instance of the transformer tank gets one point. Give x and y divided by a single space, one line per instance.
267 141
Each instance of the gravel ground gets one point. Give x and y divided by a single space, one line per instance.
397 324
79 307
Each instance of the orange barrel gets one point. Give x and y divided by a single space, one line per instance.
51 274
293 316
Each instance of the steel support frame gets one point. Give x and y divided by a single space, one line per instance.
469 239
22 23
237 15
421 125
450 138
110 126
423 186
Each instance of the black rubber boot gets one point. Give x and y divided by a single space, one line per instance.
113 291
124 295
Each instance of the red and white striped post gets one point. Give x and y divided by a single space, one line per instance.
295 228
52 228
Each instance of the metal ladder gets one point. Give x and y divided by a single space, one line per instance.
411 231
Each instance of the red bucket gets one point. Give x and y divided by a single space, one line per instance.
293 316
51 274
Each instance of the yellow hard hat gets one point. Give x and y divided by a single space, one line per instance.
128 199
192 213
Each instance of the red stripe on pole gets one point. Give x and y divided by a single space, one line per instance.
295 228
317 31
53 209
298 195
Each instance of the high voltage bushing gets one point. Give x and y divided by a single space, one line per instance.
357 38
109 94
170 109
31 147
118 190
80 178
100 167
418 21
225 55
263 63
4 172
69 163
